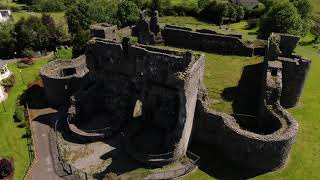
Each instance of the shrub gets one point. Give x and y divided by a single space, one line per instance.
6 168
184 9
64 53
8 82
48 5
25 63
19 115
28 61
27 53
128 13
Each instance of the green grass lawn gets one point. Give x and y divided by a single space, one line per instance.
57 16
12 144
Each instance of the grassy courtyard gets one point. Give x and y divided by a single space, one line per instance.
12 144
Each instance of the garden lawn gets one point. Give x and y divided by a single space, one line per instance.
12 144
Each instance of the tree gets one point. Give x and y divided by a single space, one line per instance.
78 17
315 28
128 13
48 21
31 34
304 7
240 12
282 17
78 41
7 39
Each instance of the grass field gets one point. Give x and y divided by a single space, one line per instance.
12 144
57 16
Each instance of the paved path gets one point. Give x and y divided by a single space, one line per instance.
43 168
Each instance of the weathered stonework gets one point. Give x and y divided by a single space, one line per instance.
266 150
205 40
294 68
104 31
169 85
62 78
165 81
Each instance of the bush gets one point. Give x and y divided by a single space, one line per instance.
48 5
128 13
186 9
25 63
8 82
6 168
19 115
64 53
27 53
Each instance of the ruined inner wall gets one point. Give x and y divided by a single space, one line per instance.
104 31
165 81
267 151
262 150
295 71
215 43
61 78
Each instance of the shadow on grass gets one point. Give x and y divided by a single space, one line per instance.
216 164
245 97
35 97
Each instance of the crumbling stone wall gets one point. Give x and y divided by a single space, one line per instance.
205 41
268 150
104 31
294 68
165 81
208 31
61 78
257 151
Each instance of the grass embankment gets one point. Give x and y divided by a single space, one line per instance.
12 144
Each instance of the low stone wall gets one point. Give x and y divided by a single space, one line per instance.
205 40
262 152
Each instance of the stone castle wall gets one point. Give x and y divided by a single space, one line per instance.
104 31
267 151
58 84
165 81
210 42
294 76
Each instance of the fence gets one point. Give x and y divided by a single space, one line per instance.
29 139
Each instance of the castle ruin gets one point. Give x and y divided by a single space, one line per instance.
170 86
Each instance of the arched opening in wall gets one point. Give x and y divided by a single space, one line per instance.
265 126
137 112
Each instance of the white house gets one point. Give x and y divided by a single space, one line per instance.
4 73
5 15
